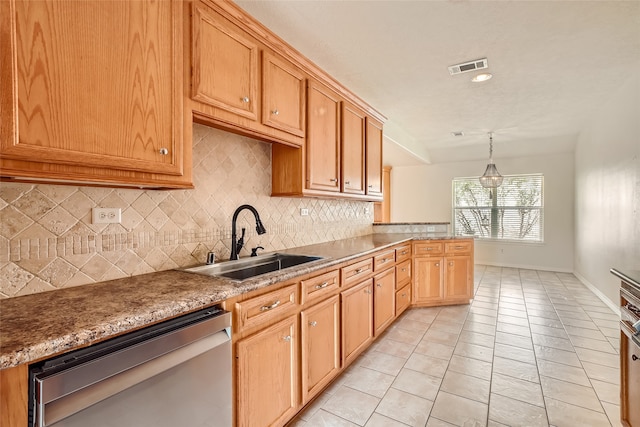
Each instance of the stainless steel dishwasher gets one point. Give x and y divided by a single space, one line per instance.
176 373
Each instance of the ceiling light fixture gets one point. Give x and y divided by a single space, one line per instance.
491 177
482 77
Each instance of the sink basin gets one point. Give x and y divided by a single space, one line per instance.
248 268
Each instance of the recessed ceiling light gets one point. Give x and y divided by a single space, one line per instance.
482 77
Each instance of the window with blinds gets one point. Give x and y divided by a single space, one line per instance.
513 211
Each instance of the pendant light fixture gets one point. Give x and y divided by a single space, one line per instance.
491 177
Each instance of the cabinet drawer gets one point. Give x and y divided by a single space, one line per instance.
353 273
403 299
382 261
317 287
403 252
458 247
403 273
428 249
265 308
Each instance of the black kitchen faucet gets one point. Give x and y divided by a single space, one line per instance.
236 244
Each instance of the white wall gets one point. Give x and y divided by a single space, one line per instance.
423 193
607 164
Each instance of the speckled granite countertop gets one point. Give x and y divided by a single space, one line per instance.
37 326
632 277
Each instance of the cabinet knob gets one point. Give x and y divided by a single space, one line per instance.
634 357
437 264
357 271
313 323
404 295
371 186
270 307
287 338
275 112
367 291
322 285
347 182
404 269
164 151
333 179
245 99
451 263
379 285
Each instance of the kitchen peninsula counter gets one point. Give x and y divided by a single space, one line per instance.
38 326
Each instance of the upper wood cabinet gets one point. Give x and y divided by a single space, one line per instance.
283 95
374 158
323 139
353 149
92 91
224 64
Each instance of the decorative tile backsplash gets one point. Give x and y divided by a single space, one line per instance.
47 240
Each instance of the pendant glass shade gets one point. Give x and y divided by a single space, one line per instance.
491 177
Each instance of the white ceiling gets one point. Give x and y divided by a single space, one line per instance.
553 64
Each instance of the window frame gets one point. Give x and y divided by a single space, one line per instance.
540 208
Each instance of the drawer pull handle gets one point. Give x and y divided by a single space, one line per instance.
403 252
313 323
634 357
287 338
358 271
322 285
404 269
459 247
164 151
379 285
275 112
367 291
384 260
270 307
333 179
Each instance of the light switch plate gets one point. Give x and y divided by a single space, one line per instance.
106 216
431 228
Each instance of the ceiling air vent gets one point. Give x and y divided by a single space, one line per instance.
478 64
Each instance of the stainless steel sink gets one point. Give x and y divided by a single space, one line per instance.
247 268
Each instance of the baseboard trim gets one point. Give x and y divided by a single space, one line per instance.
614 307
526 267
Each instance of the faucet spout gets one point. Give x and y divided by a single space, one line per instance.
235 244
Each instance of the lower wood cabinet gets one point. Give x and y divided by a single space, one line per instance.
442 272
320 338
403 299
384 300
357 320
267 375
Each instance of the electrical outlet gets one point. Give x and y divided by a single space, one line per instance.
430 228
304 212
106 215
366 211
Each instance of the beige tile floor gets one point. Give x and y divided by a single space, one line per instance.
535 348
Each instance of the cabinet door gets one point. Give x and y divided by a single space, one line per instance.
283 95
224 64
267 365
323 139
353 149
357 320
384 296
320 346
95 84
427 281
630 380
374 157
457 279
